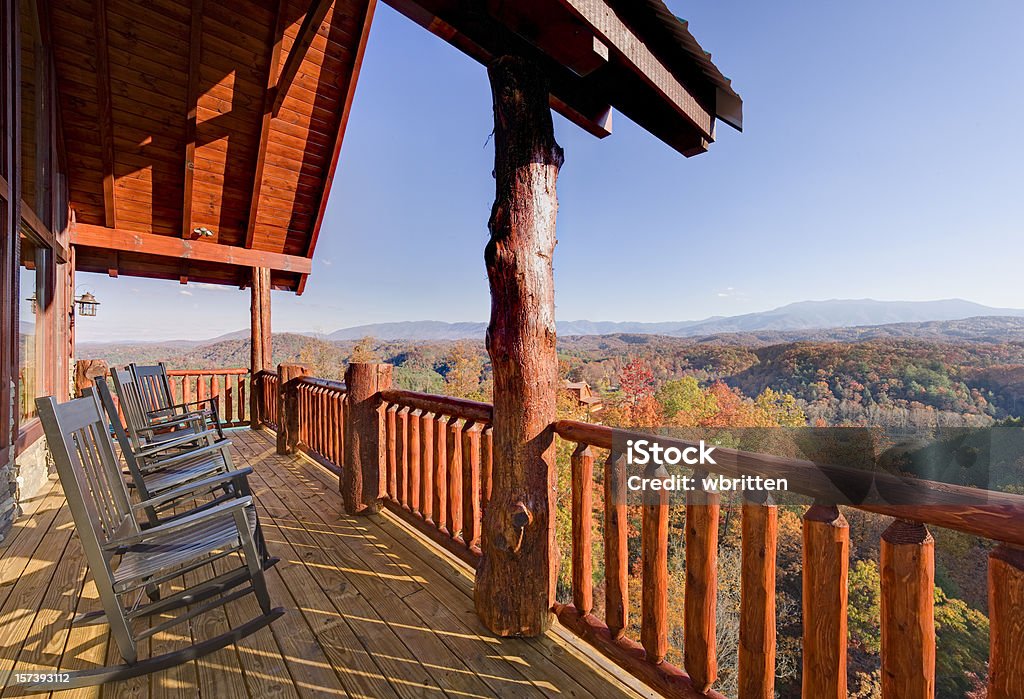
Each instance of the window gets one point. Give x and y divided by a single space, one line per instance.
32 303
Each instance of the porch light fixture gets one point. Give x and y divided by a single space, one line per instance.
87 304
35 304
202 232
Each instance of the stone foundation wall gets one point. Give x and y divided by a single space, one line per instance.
25 478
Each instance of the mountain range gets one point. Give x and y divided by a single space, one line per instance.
793 320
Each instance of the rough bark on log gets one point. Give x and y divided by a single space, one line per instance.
361 483
86 373
515 582
287 406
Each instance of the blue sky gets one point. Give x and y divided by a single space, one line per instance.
881 158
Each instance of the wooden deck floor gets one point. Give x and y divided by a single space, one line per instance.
374 610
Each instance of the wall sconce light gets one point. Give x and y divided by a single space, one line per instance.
87 304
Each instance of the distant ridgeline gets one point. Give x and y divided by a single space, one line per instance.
965 377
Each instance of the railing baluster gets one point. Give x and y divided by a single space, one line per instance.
414 461
616 545
701 597
760 526
908 611
454 477
826 560
229 405
441 474
471 486
391 430
243 404
427 466
402 464
186 390
654 563
1006 616
486 464
582 528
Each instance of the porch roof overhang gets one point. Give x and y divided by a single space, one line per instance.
202 137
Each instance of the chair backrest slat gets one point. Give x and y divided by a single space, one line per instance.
132 403
79 440
154 385
106 400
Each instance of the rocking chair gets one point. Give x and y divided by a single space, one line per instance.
126 560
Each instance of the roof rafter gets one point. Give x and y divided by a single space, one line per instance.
339 135
310 26
268 117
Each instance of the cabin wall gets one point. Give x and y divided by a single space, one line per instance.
36 276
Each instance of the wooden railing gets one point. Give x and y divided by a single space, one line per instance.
438 465
321 406
435 473
266 385
907 574
229 386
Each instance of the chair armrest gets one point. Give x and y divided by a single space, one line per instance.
164 530
185 456
184 439
193 487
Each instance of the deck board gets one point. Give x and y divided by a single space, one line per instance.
374 610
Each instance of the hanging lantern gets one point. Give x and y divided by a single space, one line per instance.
87 304
34 303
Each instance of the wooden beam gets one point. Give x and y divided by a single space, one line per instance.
123 240
339 133
192 100
268 103
599 15
310 26
105 119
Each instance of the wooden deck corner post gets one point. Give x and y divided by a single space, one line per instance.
1006 615
86 373
260 342
288 407
515 581
361 484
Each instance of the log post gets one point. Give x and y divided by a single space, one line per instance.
288 407
259 340
515 581
86 373
700 603
908 611
1006 618
361 483
826 569
760 530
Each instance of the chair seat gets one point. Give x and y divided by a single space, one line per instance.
179 474
183 547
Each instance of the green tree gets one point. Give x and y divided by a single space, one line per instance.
363 351
680 395
781 408
864 615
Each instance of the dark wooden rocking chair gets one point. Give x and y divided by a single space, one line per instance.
126 559
155 388
145 429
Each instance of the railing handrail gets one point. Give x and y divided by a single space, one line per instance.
445 405
234 371
322 383
986 513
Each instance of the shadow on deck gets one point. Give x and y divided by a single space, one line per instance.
374 610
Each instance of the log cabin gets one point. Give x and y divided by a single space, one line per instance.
197 141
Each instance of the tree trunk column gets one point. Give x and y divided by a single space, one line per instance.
515 581
361 484
87 371
259 340
288 407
